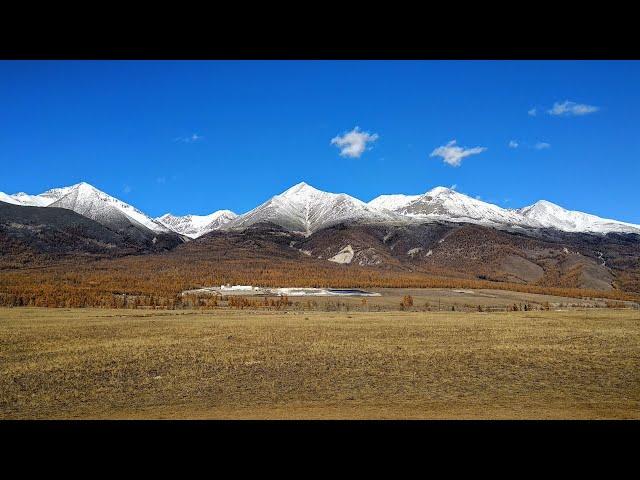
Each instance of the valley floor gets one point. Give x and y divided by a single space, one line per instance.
64 363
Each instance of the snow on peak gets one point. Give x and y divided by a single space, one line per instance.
87 200
194 226
393 201
303 192
8 199
22 198
302 186
550 215
434 192
442 203
303 208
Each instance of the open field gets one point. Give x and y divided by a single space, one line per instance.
87 363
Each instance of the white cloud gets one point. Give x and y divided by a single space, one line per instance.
533 112
354 143
542 146
453 154
571 109
513 144
194 137
126 189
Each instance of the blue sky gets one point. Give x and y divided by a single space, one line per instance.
194 137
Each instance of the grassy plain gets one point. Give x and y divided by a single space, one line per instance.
86 363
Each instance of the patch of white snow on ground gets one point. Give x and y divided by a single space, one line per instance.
343 256
413 251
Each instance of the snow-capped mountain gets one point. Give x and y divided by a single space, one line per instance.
87 200
194 226
303 208
443 203
550 215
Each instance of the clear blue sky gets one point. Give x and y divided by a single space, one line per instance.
194 137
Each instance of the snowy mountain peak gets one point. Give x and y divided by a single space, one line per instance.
434 192
303 208
442 203
87 200
195 226
545 207
303 192
299 186
86 189
550 215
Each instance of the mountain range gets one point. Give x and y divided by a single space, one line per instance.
442 232
303 208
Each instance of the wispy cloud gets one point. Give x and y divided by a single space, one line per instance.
454 186
533 112
161 180
126 189
452 154
194 137
542 146
513 144
354 143
571 109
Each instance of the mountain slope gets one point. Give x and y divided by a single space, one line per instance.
194 226
305 209
30 234
38 233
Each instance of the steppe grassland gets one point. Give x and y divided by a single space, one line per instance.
85 363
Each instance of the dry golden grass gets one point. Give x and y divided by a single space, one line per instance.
238 364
